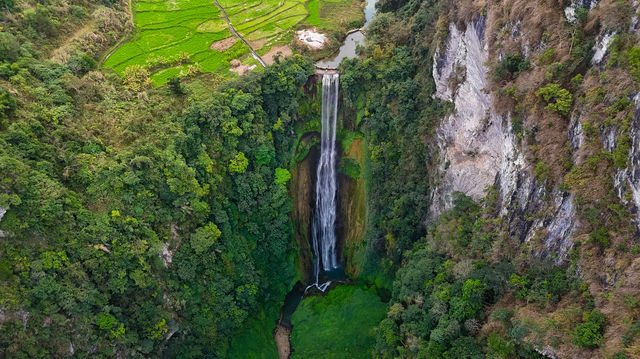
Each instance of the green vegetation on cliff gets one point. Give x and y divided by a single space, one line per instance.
140 224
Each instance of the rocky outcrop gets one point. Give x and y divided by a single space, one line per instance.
627 180
469 140
601 48
570 11
477 150
635 23
2 213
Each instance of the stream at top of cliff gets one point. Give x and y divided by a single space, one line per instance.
351 42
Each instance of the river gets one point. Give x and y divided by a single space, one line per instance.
355 38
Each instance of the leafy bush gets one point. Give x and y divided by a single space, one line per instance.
620 355
136 78
500 347
589 333
547 57
600 236
39 19
9 47
503 315
541 172
80 63
541 283
204 238
510 67
7 104
557 98
6 4
175 86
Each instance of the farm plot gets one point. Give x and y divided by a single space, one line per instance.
176 37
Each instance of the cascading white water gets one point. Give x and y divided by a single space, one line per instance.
323 233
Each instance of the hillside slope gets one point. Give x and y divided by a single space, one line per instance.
519 120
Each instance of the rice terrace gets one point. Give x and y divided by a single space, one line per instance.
227 37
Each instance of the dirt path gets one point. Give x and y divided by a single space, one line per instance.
58 54
233 29
281 335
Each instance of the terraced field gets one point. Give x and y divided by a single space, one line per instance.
179 36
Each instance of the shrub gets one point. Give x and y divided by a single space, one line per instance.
547 57
7 104
576 81
557 98
540 284
500 347
620 355
81 63
510 67
600 236
175 86
9 47
541 171
40 20
6 4
136 78
106 321
503 315
588 334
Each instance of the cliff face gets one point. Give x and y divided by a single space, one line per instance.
627 180
478 148
563 178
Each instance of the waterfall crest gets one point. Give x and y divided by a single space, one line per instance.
323 233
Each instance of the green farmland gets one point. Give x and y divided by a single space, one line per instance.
181 37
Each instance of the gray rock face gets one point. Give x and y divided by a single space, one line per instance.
627 180
601 48
570 11
470 140
576 134
477 149
2 213
635 24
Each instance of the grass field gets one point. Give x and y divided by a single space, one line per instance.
166 28
338 325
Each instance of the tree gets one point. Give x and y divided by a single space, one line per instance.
136 78
80 63
7 104
204 238
589 333
557 98
282 176
40 20
175 86
239 163
7 4
9 47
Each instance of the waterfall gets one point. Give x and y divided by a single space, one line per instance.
323 232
